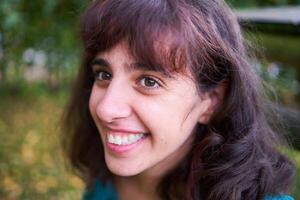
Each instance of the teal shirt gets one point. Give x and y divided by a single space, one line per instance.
108 192
280 197
101 192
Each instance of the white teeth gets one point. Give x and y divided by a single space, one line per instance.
110 137
118 140
124 140
131 138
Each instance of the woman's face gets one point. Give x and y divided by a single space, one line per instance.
145 118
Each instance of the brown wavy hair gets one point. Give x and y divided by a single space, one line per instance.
235 156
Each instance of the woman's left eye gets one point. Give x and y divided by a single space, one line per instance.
149 82
103 76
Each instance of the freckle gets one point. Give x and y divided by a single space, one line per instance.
163 141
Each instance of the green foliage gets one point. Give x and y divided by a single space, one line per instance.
281 82
278 65
48 26
256 3
31 161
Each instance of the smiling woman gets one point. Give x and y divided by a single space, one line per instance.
143 117
165 101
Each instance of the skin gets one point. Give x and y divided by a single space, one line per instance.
125 99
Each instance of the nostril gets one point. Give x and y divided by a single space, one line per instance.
110 111
112 102
105 113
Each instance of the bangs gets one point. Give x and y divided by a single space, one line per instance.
150 28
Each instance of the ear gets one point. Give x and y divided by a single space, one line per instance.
211 101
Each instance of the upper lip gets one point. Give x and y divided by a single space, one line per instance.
123 130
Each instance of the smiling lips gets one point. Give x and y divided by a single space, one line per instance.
124 136
125 139
122 141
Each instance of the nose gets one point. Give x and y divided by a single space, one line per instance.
114 104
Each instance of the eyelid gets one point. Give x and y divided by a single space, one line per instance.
97 71
158 81
155 75
96 67
152 77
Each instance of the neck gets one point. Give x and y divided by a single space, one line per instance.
136 187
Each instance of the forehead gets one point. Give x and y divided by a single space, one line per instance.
119 55
161 56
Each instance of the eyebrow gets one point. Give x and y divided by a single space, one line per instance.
134 66
129 68
101 62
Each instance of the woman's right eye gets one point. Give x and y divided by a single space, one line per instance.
103 76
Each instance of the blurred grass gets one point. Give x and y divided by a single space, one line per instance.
31 161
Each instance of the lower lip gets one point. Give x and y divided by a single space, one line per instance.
125 148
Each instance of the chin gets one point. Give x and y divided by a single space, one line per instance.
120 168
121 171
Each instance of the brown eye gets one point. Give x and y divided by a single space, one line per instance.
103 76
149 83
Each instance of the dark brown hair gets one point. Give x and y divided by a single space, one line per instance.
235 155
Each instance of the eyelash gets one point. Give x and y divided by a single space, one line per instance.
151 78
154 80
97 75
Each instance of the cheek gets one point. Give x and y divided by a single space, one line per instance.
93 101
92 104
165 120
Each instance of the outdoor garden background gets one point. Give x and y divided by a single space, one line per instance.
39 55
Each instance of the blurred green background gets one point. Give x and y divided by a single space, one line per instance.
39 56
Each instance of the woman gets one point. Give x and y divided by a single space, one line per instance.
167 106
